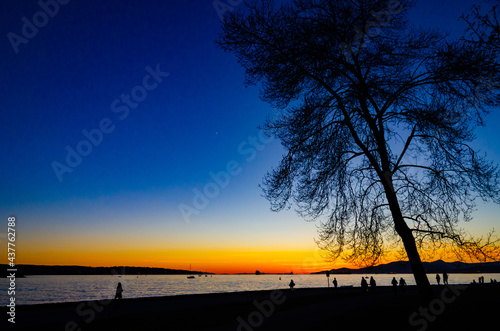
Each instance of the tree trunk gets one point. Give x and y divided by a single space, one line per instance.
423 285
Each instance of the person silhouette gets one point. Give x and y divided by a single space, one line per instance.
292 284
394 283
373 284
438 278
402 284
119 290
445 278
364 285
334 281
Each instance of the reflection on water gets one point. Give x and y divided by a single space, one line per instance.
44 289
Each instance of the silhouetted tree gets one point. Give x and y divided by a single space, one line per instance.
377 122
484 26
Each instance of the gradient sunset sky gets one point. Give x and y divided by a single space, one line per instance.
176 122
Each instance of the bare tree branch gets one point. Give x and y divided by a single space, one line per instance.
350 94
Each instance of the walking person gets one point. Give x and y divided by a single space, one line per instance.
119 290
402 284
364 285
445 278
334 281
373 284
438 278
292 284
394 283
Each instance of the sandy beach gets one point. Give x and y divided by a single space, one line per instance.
462 307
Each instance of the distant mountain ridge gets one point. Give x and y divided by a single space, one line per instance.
438 266
29 269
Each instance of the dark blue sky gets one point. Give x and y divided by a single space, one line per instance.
66 77
85 62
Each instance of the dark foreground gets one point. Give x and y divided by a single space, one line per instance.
455 308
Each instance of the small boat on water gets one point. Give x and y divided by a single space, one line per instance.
190 277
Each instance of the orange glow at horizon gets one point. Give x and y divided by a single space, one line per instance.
214 261
220 260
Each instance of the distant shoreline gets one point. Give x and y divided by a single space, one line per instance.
438 266
49 270
397 267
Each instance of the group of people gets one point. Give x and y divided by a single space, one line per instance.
372 284
401 284
364 285
481 280
445 278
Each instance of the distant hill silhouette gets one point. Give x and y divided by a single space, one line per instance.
438 266
28 269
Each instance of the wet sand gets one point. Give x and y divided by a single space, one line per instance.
457 307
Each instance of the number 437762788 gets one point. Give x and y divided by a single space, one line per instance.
11 236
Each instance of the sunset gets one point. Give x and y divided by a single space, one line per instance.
235 138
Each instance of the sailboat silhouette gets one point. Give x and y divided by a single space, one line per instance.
190 277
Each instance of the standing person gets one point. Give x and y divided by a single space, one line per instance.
394 283
373 284
334 281
402 284
438 278
292 284
119 290
445 278
364 285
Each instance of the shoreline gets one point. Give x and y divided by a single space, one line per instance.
273 309
229 290
63 293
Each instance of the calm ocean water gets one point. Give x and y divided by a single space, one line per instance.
45 289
